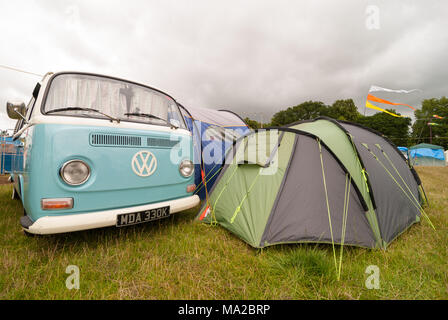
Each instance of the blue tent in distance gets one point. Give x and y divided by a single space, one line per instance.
425 154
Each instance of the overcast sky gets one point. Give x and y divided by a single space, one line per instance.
252 57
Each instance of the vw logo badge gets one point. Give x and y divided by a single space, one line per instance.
144 163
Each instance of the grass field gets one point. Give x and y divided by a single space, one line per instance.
180 259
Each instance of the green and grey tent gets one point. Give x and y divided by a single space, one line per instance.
322 181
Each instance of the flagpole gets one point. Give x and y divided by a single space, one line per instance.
430 134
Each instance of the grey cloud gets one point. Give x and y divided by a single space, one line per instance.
253 57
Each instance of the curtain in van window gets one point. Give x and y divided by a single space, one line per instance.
110 96
78 91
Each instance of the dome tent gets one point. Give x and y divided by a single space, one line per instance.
425 154
329 182
213 132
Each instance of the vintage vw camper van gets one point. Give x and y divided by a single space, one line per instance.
99 151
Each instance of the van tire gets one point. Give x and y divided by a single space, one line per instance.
28 234
15 195
25 223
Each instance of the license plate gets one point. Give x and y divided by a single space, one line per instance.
127 219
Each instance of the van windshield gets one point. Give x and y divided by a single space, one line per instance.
70 93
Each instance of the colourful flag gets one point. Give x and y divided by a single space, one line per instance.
376 99
438 117
376 88
433 124
371 106
371 97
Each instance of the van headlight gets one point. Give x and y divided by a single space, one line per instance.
75 172
186 168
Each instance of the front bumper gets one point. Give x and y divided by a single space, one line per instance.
99 219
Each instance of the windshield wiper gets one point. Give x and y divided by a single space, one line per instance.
147 115
84 109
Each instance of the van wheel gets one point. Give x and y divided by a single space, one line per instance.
25 223
29 235
15 195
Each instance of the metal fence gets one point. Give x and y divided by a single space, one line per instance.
7 154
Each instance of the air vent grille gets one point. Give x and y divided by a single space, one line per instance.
161 143
115 140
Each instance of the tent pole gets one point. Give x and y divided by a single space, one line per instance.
418 206
328 207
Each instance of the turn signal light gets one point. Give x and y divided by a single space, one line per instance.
56 203
191 187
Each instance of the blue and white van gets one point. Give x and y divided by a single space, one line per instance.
98 151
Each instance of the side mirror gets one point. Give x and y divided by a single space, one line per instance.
16 110
175 123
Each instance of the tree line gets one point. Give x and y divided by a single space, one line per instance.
400 130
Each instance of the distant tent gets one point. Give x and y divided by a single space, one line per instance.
322 181
213 132
425 154
404 151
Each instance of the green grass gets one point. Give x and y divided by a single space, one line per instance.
180 259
